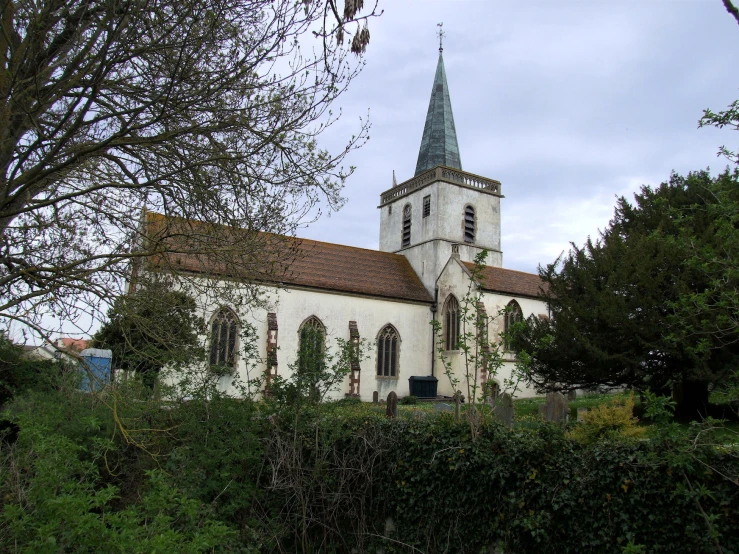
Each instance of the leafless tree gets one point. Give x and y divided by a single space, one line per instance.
206 111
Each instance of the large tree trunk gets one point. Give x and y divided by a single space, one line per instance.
691 398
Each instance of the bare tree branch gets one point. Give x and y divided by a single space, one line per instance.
206 111
732 9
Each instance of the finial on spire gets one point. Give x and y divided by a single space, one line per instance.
441 34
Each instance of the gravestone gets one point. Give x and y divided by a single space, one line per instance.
418 415
441 407
503 409
581 413
555 409
542 411
572 395
392 405
492 400
375 397
457 404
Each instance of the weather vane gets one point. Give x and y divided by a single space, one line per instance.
441 35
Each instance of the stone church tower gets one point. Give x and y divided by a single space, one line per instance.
442 210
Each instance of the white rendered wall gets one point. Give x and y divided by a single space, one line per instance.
455 280
432 236
335 310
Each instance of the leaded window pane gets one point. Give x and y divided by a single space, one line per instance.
310 349
223 333
451 321
387 352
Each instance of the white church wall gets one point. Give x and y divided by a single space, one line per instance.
455 280
335 310
494 303
446 218
454 199
432 237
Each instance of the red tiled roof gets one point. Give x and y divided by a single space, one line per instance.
74 344
509 281
307 263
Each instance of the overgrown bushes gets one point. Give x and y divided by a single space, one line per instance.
230 475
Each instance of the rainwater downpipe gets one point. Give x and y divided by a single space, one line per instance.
433 331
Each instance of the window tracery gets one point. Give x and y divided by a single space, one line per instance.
513 315
451 323
387 352
224 330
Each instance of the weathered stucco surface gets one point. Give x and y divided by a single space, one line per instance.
432 237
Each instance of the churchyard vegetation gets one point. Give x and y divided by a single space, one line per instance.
650 304
481 355
217 473
207 111
152 327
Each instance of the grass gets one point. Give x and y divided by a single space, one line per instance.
530 406
527 412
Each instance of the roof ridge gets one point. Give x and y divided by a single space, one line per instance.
347 246
505 269
302 239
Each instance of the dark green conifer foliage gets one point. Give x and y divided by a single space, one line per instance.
651 303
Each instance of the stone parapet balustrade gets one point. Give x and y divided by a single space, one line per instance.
441 173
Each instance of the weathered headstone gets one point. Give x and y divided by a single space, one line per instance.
503 409
572 395
375 397
457 405
492 400
392 405
542 410
556 409
418 415
441 407
581 414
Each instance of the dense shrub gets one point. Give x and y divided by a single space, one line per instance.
227 475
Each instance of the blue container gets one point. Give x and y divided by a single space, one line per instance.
97 368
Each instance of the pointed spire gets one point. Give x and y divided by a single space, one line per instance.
395 182
439 143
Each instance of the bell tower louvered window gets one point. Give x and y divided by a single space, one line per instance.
451 323
426 206
387 352
407 226
469 224
223 332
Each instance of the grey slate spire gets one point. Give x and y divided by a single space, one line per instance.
439 143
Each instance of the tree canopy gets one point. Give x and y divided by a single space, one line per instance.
153 327
209 110
652 302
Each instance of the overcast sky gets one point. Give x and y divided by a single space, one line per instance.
567 103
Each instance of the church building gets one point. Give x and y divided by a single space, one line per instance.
432 226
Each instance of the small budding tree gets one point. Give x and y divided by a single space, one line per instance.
482 356
317 371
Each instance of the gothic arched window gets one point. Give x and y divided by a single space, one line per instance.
312 337
224 330
407 225
469 224
387 352
513 315
451 323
